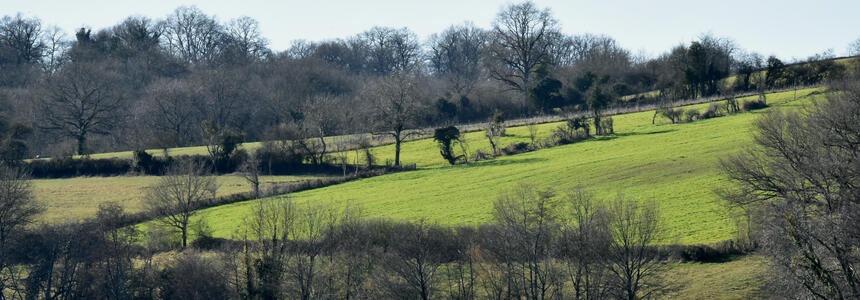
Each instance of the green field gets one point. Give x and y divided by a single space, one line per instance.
739 278
674 164
79 198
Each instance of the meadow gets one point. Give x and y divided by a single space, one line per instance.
72 199
676 165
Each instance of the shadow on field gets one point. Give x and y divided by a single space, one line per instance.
509 161
626 134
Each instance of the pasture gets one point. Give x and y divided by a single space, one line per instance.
675 165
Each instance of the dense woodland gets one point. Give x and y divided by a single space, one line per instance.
179 80
191 79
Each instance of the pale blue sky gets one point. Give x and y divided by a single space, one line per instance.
788 29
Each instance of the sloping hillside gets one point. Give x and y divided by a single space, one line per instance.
674 164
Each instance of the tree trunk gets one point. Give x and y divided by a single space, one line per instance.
82 143
184 230
397 141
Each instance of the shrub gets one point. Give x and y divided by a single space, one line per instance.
480 155
516 148
692 115
753 105
713 111
575 129
71 167
674 115
607 125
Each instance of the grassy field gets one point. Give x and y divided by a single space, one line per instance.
674 164
79 198
739 278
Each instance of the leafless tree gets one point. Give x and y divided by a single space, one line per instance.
321 117
495 130
171 112
391 51
56 47
396 105
521 244
304 266
584 244
21 40
176 196
251 172
417 253
802 179
533 132
17 209
192 36
522 36
632 261
81 100
245 35
456 54
272 226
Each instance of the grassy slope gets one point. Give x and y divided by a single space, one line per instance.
736 279
676 165
79 198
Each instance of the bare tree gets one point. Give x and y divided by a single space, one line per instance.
391 51
251 172
81 100
56 47
802 179
418 251
17 210
522 36
495 130
396 106
171 112
456 54
17 205
177 196
272 226
526 224
192 36
584 244
245 35
631 259
320 118
315 225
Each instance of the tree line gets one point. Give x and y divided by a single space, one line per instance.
182 79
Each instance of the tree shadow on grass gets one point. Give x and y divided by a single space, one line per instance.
503 161
626 134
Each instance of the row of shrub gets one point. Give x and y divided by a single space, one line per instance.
276 158
678 115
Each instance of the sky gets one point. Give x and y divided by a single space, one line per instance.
789 29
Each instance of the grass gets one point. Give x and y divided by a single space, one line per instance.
674 164
739 278
79 198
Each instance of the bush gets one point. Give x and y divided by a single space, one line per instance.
70 167
753 105
607 125
692 115
480 155
575 129
516 148
674 115
713 111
